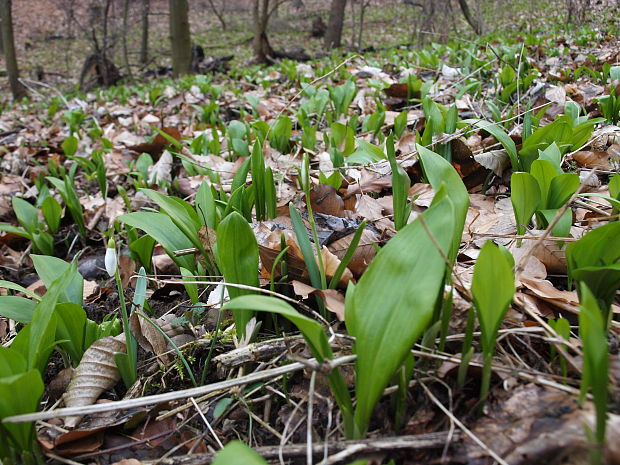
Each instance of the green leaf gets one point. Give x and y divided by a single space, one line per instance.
143 249
27 214
544 172
400 187
553 155
492 287
306 247
69 146
562 189
592 330
366 153
164 231
237 258
258 180
52 211
496 131
20 394
440 173
393 302
525 198
50 269
559 131
16 287
70 328
237 453
16 308
205 205
180 212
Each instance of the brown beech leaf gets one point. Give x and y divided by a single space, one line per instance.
156 147
149 338
331 263
96 373
592 159
325 199
364 253
334 300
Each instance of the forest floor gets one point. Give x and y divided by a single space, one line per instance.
110 157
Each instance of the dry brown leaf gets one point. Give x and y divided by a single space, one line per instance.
96 373
494 160
369 208
592 159
334 300
364 253
149 338
331 263
549 253
325 199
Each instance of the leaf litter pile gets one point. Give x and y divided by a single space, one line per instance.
399 258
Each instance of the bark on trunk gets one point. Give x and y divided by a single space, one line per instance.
6 22
262 49
333 35
180 38
469 17
144 39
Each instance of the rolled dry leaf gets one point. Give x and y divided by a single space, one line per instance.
96 373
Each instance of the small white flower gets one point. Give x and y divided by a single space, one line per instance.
111 261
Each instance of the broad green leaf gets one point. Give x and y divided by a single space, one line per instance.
561 189
525 198
553 155
50 269
492 287
592 329
180 212
70 327
544 172
237 453
205 205
161 228
342 138
12 362
393 302
143 249
237 258
559 131
562 227
20 394
17 308
258 180
52 211
366 153
69 146
27 214
440 172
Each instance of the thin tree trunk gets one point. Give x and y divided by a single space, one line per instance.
333 35
6 21
220 17
144 39
262 48
180 38
125 32
363 6
1 40
475 25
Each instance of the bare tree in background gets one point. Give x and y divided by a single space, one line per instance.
8 45
1 41
180 38
144 37
218 14
473 22
333 34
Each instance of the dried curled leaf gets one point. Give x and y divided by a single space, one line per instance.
152 340
96 373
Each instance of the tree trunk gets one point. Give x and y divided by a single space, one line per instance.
6 21
262 49
144 39
180 38
125 32
333 34
469 17
1 40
